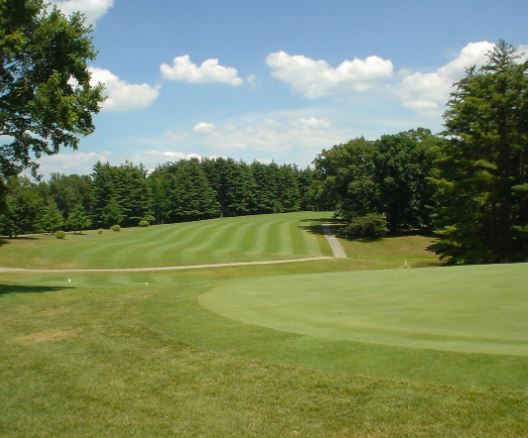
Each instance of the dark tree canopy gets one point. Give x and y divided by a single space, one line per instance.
483 181
46 100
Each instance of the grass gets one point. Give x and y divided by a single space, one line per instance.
138 354
247 238
472 309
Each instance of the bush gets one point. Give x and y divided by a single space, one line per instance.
100 231
115 228
372 225
143 223
59 234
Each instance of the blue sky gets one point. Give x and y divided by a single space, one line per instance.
275 80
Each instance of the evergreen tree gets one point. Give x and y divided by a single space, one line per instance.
103 191
112 213
51 219
78 220
483 179
22 207
191 197
265 176
288 195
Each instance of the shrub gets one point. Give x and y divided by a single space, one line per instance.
100 231
143 223
59 234
115 228
372 225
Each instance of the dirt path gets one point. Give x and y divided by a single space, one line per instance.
162 268
337 249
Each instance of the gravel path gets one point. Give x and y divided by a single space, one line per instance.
337 249
162 268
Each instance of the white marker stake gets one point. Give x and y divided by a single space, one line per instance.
405 264
69 280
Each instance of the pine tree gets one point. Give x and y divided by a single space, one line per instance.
483 180
192 198
78 220
51 219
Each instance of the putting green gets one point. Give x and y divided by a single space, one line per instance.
474 309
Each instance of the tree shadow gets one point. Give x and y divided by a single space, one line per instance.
5 240
317 225
6 289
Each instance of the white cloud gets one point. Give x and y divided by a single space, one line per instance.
210 71
313 121
279 133
93 9
121 95
177 135
316 78
428 92
71 162
204 128
153 158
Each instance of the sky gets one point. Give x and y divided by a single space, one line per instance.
275 80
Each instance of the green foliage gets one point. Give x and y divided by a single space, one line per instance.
51 219
192 198
115 228
388 177
59 234
47 99
22 207
404 161
483 167
371 226
143 223
112 212
78 220
121 194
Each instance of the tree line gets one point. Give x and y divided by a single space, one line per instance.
127 195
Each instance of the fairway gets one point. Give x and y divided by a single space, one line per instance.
472 309
222 240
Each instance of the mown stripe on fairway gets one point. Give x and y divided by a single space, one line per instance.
237 243
142 250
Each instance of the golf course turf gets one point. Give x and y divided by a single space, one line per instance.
237 239
318 348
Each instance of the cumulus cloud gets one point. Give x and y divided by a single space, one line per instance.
71 162
122 95
428 92
210 71
92 9
278 134
204 128
316 78
313 121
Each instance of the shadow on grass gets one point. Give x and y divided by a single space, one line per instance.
19 289
5 240
316 226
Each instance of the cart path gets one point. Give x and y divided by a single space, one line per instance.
337 249
163 268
